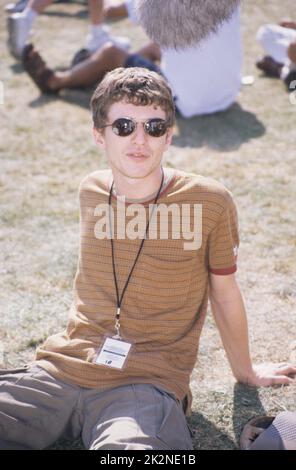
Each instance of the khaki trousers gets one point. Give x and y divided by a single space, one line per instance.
36 409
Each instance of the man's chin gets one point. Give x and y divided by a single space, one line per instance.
136 176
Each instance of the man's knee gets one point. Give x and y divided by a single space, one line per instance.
111 54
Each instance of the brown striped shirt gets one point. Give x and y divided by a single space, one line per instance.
165 303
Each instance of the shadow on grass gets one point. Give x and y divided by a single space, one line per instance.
17 68
80 14
224 131
246 405
207 436
65 444
78 97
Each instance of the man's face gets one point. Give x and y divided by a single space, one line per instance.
137 155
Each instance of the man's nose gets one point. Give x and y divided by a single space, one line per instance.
139 135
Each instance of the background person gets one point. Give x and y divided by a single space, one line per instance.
20 27
279 44
205 78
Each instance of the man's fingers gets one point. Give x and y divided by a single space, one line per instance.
287 370
285 364
281 380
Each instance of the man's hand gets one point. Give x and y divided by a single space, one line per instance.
229 313
265 375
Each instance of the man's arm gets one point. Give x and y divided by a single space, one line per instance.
230 316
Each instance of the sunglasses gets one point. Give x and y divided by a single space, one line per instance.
154 127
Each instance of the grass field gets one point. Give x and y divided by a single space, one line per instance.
46 148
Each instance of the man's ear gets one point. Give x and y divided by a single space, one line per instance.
169 138
99 137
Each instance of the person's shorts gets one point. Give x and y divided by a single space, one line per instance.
136 60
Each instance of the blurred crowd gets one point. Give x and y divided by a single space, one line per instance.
205 78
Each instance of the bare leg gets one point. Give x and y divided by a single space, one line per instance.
116 11
91 70
84 74
95 11
151 51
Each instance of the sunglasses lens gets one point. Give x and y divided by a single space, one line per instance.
123 127
156 127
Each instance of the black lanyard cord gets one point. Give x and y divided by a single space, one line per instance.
119 300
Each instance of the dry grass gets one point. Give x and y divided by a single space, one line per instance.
46 148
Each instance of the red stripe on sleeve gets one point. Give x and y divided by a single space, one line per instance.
224 271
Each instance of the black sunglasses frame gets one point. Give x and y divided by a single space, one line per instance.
146 126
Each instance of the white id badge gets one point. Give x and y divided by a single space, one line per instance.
113 353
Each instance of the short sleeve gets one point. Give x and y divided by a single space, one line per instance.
224 241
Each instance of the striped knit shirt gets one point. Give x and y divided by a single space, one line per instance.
165 303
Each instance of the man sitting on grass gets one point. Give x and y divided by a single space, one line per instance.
118 376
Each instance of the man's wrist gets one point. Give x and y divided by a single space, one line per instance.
247 377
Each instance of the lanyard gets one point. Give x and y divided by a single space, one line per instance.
119 299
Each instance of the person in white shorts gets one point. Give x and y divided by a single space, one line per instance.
279 44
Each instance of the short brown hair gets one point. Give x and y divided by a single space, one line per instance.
135 85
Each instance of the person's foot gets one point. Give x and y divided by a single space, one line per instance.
269 66
17 7
19 27
35 66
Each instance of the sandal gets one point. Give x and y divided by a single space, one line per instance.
270 433
37 68
269 66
